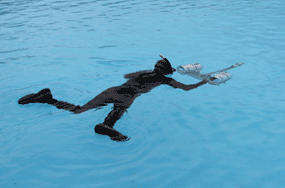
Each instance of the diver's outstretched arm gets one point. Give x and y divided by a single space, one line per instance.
136 74
173 83
131 75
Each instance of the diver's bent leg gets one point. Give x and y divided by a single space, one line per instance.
114 116
106 128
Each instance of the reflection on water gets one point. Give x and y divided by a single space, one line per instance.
225 136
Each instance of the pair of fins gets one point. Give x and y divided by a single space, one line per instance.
194 70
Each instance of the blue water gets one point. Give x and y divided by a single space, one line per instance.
228 136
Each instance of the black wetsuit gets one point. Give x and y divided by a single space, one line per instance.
121 96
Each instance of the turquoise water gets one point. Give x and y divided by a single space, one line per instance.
229 136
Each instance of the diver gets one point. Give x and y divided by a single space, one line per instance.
122 96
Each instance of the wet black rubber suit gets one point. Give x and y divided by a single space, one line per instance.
121 96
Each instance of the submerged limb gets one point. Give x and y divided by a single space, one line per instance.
114 115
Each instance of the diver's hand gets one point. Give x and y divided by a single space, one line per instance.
208 79
212 78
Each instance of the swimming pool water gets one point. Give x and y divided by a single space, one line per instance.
229 136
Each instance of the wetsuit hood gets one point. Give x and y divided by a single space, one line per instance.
163 66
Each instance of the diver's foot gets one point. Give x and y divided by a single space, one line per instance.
43 96
112 133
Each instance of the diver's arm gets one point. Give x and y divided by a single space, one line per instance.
173 83
136 74
131 75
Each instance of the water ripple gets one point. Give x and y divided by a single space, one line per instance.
10 51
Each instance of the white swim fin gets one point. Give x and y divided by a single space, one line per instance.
220 78
194 70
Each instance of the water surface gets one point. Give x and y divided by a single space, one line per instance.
230 135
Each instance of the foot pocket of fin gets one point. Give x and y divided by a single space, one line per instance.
43 96
111 132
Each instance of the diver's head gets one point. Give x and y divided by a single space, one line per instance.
163 66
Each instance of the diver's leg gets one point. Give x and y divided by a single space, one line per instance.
107 96
65 105
114 115
44 96
100 100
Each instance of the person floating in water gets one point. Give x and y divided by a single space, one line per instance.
121 96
